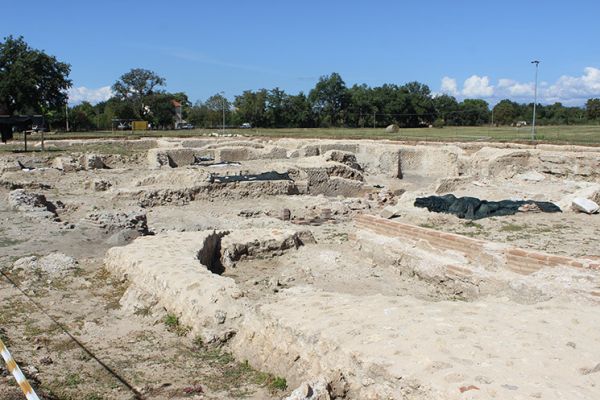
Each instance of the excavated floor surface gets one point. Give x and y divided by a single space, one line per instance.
325 305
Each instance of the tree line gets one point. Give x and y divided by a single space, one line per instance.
33 82
332 104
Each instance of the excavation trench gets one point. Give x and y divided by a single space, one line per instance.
222 250
210 254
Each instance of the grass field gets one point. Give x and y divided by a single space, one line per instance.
565 134
580 134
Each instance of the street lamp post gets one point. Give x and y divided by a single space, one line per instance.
537 63
223 98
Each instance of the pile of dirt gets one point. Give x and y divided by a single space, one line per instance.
54 264
32 203
111 222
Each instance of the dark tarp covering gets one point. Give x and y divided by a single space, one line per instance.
7 122
202 159
473 208
265 176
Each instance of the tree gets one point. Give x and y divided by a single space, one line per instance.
161 111
82 117
136 86
474 112
215 105
251 107
592 109
329 99
362 106
30 80
446 108
391 103
506 112
198 115
277 104
299 113
118 108
421 110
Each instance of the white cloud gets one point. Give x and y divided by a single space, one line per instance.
505 83
575 88
569 90
81 93
477 86
511 88
449 86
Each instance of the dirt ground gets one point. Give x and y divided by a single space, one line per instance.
89 210
150 350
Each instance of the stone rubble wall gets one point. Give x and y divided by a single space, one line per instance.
174 269
156 196
175 157
168 266
239 153
179 157
396 159
494 162
179 270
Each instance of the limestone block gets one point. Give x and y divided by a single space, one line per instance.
585 205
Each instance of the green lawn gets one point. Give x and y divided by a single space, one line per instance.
588 134
562 134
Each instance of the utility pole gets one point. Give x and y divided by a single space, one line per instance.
67 115
537 63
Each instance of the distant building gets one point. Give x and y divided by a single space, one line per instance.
178 114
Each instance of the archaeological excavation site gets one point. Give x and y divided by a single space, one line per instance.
236 267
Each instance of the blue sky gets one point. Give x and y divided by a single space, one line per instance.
465 48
